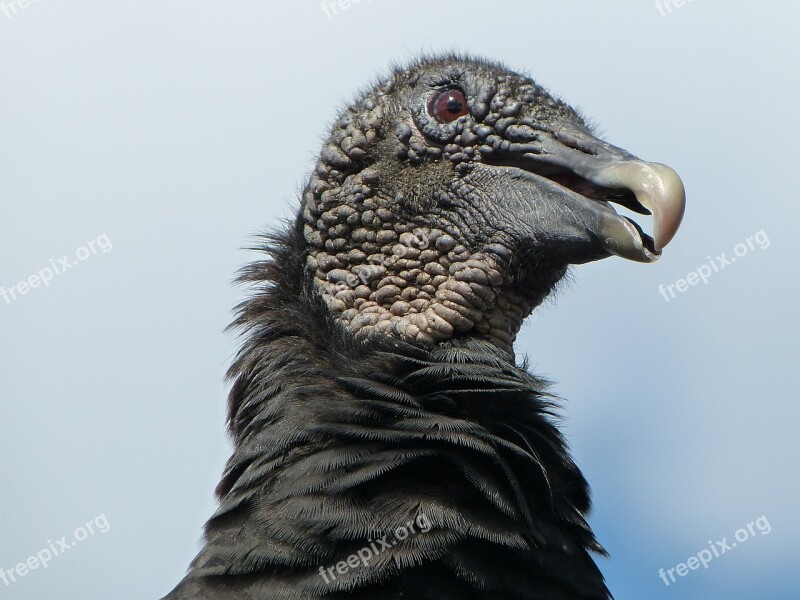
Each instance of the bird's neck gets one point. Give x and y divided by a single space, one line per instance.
379 274
340 441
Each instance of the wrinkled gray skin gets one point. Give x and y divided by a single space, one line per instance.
429 230
376 383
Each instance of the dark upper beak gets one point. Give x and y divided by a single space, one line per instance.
652 186
592 174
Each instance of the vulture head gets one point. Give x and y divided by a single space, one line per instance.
450 199
386 444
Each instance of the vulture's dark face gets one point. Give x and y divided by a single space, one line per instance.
451 198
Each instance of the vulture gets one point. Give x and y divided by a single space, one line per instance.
387 443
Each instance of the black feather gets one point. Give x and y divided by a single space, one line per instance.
340 442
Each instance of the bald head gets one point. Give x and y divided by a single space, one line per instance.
451 197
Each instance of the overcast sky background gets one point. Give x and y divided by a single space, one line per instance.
171 133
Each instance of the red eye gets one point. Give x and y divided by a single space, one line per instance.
448 105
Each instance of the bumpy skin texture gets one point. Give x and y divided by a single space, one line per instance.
403 237
376 384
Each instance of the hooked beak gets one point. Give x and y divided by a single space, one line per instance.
657 187
591 175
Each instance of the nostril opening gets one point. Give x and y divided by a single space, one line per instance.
575 143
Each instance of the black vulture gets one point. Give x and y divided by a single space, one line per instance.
387 444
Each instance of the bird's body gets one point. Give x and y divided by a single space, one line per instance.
387 445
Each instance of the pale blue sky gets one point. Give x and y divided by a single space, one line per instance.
179 130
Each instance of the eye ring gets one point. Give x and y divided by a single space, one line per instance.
448 105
